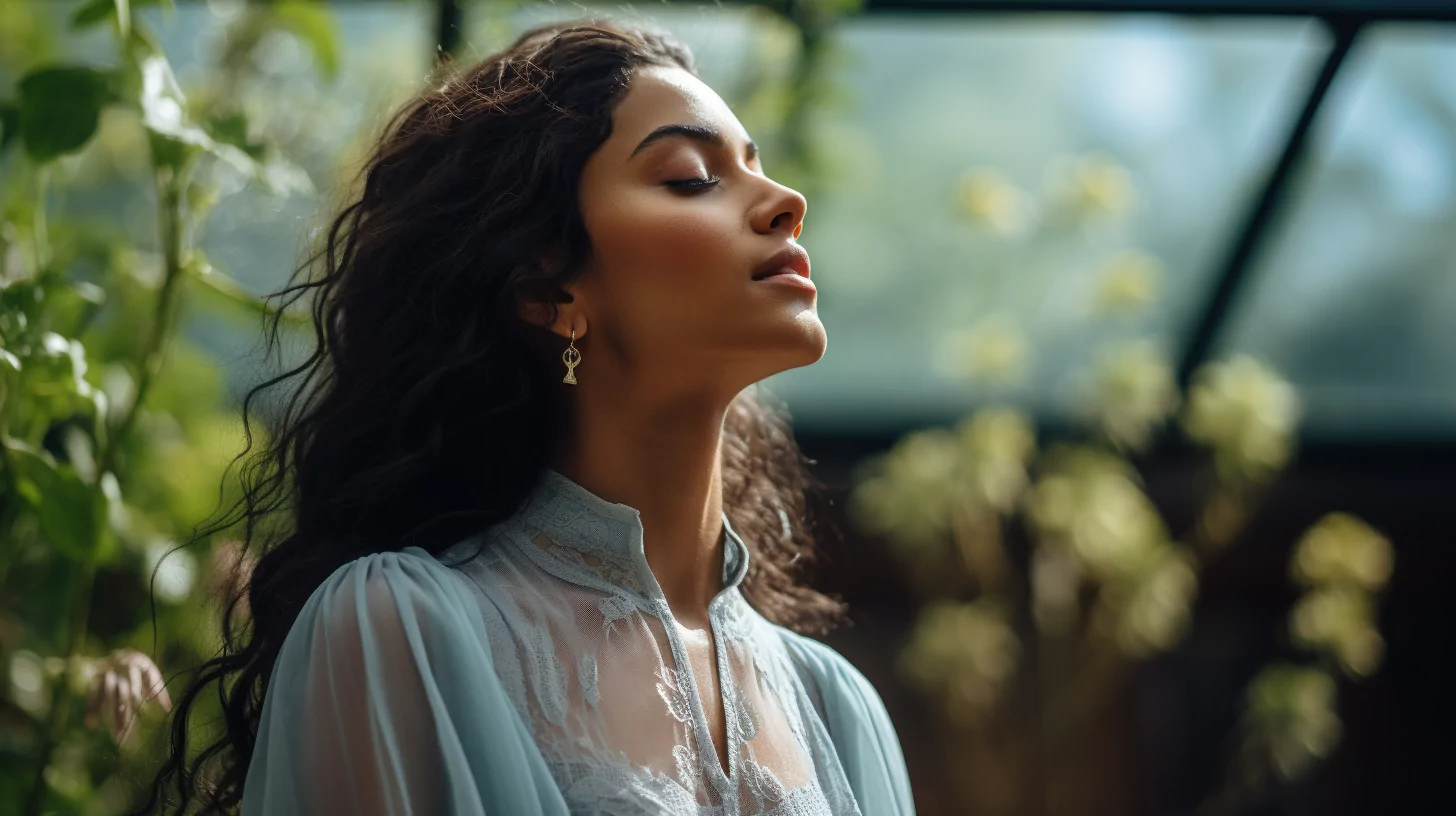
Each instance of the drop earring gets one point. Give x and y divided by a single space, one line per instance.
572 357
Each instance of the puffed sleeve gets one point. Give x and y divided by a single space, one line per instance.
858 724
384 702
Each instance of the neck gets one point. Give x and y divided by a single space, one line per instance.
662 458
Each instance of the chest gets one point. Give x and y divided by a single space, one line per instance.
636 712
702 653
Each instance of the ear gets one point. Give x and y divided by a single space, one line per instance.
568 314
567 299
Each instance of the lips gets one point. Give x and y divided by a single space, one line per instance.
791 260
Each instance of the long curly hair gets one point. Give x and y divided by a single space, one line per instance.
428 407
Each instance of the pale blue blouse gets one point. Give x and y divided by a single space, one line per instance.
545 674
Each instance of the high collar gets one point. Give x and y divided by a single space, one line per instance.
601 541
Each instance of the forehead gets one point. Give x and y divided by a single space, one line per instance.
667 96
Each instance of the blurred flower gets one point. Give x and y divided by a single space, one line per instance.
923 490
908 491
1342 549
1154 614
1291 710
988 196
1127 282
1091 185
1135 393
993 349
1340 621
963 654
120 684
175 570
996 443
1246 413
1091 502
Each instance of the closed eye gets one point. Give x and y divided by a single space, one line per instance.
693 183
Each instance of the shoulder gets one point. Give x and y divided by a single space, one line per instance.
388 594
828 674
857 722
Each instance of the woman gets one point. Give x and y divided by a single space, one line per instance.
510 583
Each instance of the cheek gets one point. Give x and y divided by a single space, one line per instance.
657 237
668 263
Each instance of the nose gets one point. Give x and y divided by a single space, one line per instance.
782 210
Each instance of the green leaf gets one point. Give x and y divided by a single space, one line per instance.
312 22
72 514
231 292
71 306
60 107
9 123
174 137
90 13
232 128
280 176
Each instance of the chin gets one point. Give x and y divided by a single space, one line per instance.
805 345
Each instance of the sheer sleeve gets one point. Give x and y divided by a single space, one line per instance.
858 724
384 702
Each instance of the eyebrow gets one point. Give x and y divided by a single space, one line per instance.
695 132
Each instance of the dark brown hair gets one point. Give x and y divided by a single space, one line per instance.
428 408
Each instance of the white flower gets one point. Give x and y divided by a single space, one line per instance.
964 653
1135 393
1127 281
1246 413
988 196
1342 549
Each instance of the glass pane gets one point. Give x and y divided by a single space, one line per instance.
1355 299
1123 134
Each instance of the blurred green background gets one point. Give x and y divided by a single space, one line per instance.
1138 415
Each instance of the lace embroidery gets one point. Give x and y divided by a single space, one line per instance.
561 582
672 694
586 675
615 608
687 764
768 792
736 624
741 714
591 788
550 683
609 570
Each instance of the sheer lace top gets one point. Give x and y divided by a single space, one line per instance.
595 662
536 668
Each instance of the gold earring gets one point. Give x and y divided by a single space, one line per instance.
572 357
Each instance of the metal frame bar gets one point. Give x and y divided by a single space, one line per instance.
1366 10
1256 227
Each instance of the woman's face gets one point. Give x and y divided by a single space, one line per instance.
668 296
